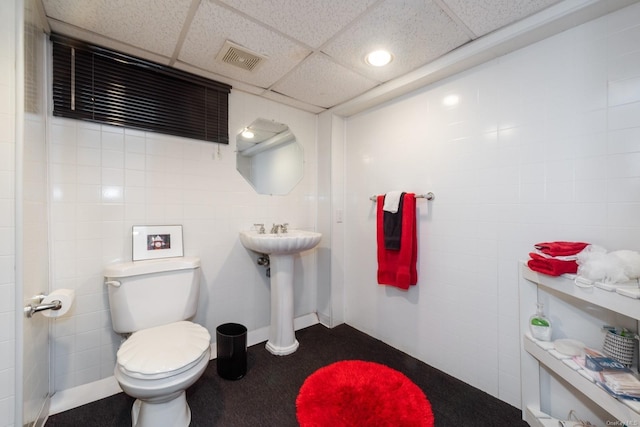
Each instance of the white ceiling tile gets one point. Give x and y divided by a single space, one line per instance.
322 82
278 97
213 24
153 25
484 16
99 40
414 31
312 22
238 85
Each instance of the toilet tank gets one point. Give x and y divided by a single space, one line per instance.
143 294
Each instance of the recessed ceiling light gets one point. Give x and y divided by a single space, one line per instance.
247 134
378 58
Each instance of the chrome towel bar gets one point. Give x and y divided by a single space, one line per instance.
428 196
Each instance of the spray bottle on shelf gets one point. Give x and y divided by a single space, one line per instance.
539 325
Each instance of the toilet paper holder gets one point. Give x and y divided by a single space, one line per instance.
31 309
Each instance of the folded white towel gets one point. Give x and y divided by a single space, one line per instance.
391 201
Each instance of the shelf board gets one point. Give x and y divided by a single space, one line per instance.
613 406
607 299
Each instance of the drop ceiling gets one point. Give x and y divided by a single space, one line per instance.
311 52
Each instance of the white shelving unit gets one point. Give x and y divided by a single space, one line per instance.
536 358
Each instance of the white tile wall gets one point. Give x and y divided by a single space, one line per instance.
105 179
7 200
543 145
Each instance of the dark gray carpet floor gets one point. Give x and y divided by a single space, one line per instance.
266 395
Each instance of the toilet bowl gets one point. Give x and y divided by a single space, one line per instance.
156 366
152 303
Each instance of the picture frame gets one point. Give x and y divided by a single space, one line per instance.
157 241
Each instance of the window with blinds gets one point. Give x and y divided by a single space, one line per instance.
100 85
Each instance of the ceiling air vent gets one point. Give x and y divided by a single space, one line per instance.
239 56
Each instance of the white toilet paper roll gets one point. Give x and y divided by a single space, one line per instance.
65 296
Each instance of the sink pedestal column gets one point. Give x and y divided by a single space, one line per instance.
282 337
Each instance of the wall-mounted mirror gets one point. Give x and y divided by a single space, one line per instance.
269 157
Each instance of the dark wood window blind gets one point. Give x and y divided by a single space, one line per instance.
100 85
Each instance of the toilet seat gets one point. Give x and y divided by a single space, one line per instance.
163 351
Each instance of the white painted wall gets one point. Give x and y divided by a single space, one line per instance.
544 144
331 224
7 217
34 256
106 179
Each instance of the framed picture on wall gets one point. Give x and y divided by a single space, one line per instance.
157 241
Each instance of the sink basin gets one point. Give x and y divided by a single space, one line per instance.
288 243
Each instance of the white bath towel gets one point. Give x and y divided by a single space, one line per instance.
391 201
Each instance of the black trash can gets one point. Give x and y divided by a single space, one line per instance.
231 343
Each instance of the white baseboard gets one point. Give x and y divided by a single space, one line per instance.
324 319
81 395
305 321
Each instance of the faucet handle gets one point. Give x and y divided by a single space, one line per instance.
261 229
284 226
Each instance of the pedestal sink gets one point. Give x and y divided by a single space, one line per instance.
281 249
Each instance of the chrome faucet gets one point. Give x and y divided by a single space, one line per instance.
281 227
261 229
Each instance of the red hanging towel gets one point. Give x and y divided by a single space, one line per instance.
398 267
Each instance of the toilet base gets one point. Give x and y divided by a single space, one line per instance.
170 412
161 402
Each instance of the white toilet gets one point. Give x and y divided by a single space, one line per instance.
165 353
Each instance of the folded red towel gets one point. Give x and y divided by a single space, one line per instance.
550 266
561 248
398 267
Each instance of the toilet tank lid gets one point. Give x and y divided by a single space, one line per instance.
136 268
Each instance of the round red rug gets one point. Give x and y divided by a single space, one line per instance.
358 393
